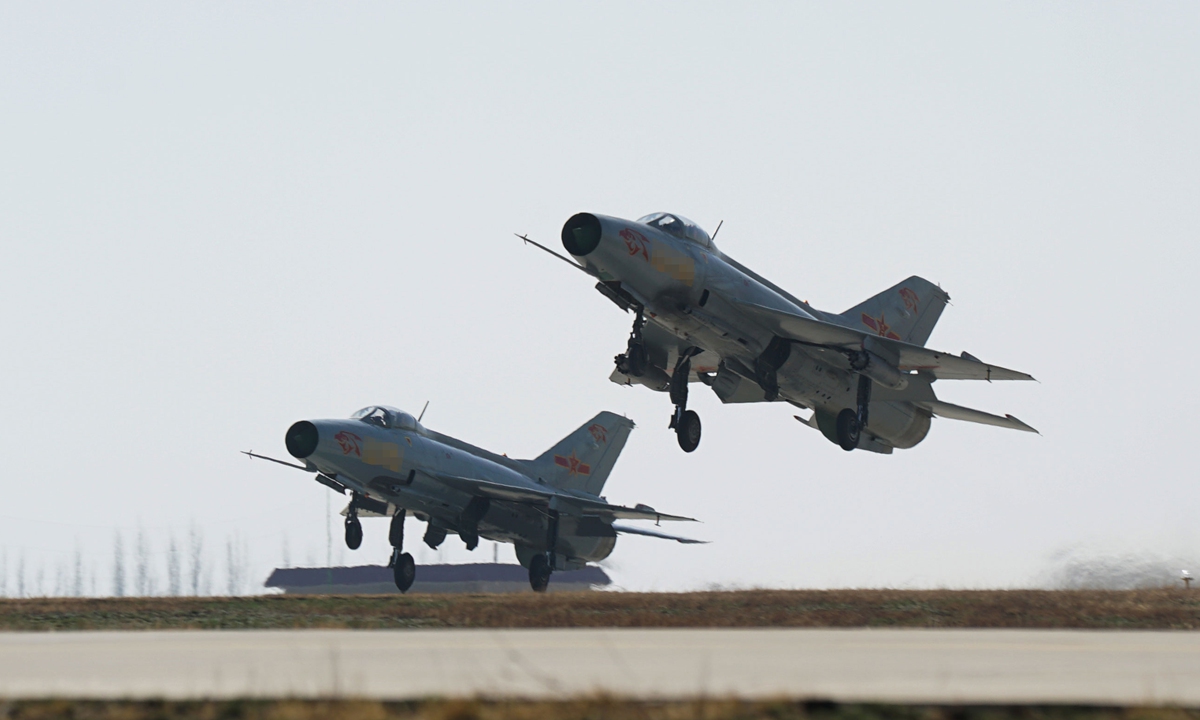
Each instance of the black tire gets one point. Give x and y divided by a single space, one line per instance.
688 431
539 573
848 431
636 359
354 533
404 572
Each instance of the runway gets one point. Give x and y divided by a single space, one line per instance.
919 666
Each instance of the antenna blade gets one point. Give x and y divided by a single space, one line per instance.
423 411
714 235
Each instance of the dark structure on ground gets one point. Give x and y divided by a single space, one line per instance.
473 578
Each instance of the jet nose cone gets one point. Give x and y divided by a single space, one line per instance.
301 439
581 234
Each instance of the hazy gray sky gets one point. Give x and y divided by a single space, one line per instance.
219 218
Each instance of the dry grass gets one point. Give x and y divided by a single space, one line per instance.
1135 609
589 709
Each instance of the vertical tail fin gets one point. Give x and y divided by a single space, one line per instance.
908 311
583 459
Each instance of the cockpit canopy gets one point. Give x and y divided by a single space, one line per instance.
387 417
679 226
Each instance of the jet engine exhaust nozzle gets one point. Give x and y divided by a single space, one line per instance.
301 439
581 234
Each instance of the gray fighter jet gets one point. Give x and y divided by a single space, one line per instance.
701 316
550 508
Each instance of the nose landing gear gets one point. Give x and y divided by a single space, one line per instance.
685 423
635 361
354 531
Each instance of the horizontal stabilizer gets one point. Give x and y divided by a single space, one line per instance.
957 412
811 331
630 530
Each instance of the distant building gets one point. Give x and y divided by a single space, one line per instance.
473 578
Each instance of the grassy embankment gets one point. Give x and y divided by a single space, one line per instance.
1139 609
589 709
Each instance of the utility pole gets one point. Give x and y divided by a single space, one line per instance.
328 545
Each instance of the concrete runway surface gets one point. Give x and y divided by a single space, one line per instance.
922 666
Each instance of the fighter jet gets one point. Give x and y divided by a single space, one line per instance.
701 316
550 507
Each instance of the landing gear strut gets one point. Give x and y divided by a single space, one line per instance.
635 360
404 569
354 531
542 564
685 423
850 423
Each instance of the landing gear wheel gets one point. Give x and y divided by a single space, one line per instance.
848 429
354 533
637 360
404 571
687 429
539 573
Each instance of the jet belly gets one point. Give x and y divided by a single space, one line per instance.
807 379
810 381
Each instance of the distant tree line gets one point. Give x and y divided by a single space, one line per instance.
138 570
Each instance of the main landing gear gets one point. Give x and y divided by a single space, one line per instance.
635 362
404 569
542 564
850 423
354 531
685 423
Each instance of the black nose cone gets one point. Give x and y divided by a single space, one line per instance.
581 234
302 439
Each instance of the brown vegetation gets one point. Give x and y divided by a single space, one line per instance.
1133 609
587 709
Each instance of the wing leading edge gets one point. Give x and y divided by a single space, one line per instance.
958 412
648 532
